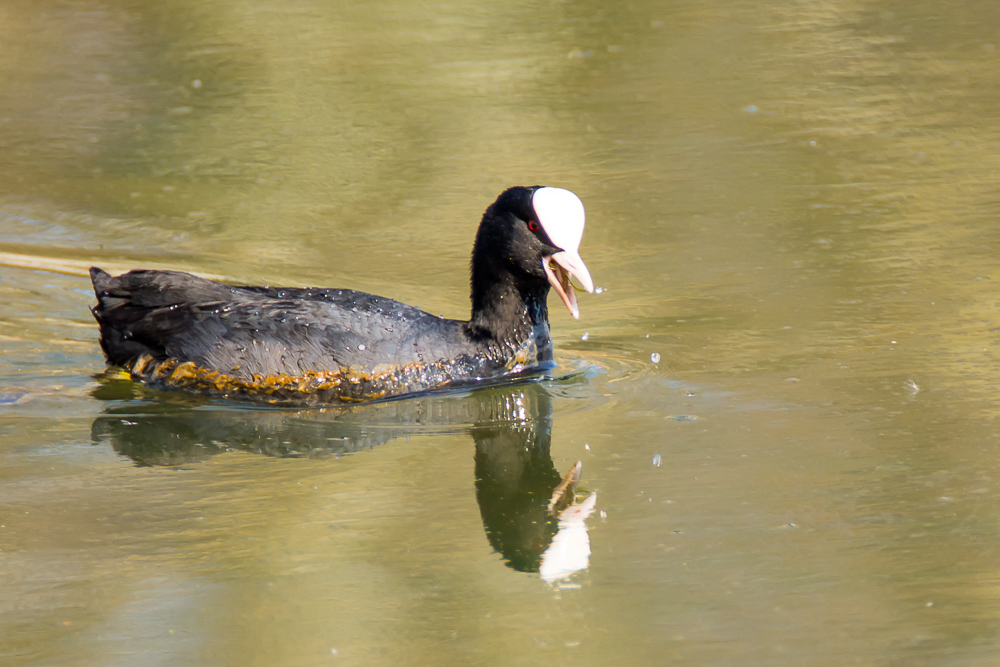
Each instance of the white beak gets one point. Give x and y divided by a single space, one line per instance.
561 214
559 268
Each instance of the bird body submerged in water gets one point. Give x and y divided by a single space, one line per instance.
175 330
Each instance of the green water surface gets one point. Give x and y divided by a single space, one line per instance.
795 205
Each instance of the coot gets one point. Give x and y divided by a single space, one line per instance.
311 346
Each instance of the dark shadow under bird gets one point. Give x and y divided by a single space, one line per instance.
174 330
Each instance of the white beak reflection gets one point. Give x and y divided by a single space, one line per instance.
569 551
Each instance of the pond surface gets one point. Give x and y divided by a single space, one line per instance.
793 206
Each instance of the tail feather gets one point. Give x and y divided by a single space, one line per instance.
140 311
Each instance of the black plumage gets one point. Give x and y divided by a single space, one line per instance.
173 329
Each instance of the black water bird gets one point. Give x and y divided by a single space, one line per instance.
303 345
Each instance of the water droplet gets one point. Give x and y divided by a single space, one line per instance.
361 347
657 461
585 336
655 357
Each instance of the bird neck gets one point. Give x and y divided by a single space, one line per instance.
506 315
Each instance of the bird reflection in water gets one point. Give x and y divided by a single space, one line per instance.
526 506
528 509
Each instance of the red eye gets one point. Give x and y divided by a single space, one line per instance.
533 225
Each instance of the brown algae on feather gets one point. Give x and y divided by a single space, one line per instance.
347 385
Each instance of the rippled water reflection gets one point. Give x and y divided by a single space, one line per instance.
792 204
